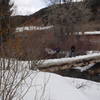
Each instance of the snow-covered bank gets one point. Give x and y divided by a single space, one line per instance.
90 89
82 69
61 61
30 28
47 86
92 32
55 62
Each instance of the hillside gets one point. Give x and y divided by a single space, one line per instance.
18 20
40 19
23 42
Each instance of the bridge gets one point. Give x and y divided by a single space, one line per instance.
53 65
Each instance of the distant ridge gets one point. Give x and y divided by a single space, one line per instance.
38 19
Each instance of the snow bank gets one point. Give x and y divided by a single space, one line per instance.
88 33
52 62
47 86
53 87
60 61
82 69
30 28
92 32
90 89
91 52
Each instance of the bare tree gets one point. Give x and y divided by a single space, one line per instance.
13 80
13 73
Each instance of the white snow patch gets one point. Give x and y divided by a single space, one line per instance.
82 69
51 62
50 51
92 32
30 28
91 52
88 33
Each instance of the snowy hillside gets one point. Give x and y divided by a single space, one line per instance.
47 86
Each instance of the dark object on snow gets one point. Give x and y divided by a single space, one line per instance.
72 52
57 50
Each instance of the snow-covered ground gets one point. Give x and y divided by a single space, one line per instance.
92 52
30 28
48 86
92 32
88 33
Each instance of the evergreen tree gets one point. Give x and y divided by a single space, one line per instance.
5 13
93 4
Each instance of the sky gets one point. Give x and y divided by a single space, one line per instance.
26 7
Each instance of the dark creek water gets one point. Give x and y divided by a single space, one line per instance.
91 74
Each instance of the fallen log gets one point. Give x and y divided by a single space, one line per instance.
53 65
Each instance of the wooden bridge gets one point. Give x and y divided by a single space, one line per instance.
53 65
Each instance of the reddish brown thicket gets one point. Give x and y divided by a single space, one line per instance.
32 44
